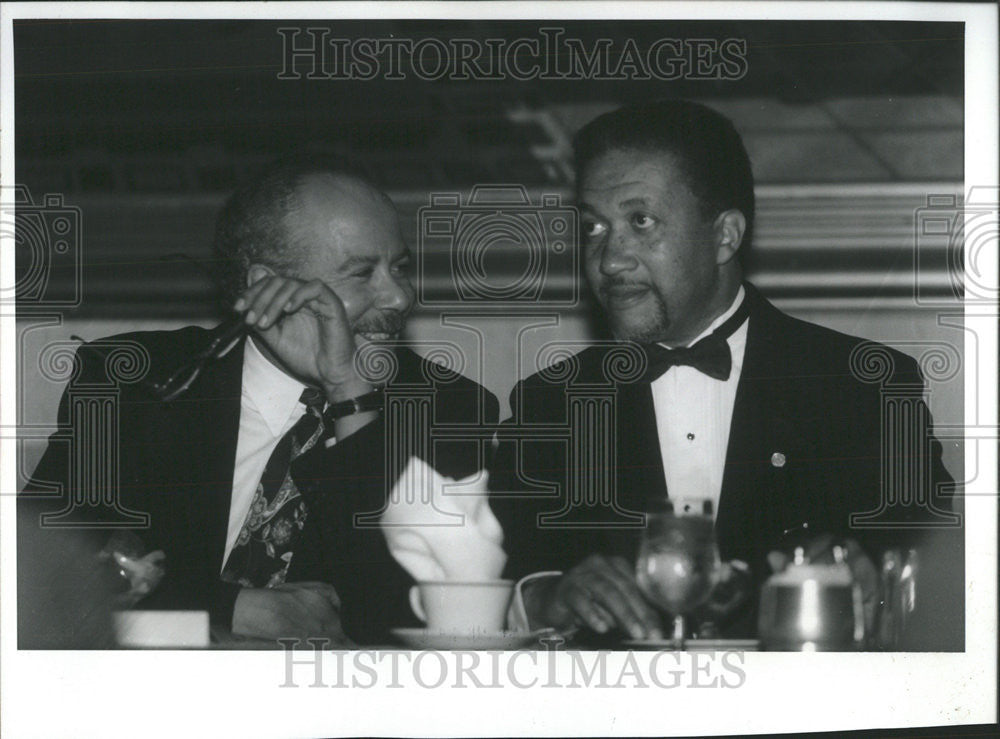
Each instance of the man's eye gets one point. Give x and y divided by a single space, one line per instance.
364 273
402 268
643 221
592 229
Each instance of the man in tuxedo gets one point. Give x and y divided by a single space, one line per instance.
263 478
707 391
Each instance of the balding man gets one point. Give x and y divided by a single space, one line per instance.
255 474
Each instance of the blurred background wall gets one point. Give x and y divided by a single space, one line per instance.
138 130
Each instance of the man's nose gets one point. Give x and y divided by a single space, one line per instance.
617 256
396 294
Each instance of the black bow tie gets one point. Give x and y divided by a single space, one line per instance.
709 355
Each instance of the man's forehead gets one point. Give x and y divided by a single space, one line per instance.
339 194
622 177
339 207
633 188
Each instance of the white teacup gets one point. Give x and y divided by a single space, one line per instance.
462 606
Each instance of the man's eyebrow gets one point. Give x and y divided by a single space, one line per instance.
638 200
405 254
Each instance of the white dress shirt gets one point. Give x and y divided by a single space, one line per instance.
269 407
693 415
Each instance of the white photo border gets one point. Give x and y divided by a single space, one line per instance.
153 693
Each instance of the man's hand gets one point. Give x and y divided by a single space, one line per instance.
295 610
305 326
600 593
732 588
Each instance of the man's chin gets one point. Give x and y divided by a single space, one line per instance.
637 332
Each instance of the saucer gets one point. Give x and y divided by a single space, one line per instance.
700 645
432 639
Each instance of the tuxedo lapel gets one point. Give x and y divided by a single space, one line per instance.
755 498
640 465
639 469
738 517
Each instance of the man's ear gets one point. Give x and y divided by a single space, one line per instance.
729 227
258 272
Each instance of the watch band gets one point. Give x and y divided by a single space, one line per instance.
373 401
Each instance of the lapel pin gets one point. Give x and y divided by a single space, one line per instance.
777 459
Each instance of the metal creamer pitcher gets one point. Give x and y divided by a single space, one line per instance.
812 608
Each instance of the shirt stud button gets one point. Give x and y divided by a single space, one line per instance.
690 437
777 459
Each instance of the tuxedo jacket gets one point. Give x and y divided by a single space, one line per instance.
176 462
820 418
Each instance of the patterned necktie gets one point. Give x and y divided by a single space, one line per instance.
263 550
710 355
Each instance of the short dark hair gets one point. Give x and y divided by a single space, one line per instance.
708 148
251 229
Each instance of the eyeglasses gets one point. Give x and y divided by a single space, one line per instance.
176 384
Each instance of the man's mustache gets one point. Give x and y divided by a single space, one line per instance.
610 283
383 322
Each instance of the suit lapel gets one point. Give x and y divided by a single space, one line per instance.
209 415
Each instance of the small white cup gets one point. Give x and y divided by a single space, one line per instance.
462 606
172 629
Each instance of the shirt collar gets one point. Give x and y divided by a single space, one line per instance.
269 389
722 318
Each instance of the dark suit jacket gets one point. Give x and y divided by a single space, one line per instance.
797 396
176 461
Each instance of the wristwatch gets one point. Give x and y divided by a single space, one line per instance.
373 401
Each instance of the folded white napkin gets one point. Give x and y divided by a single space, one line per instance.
441 529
